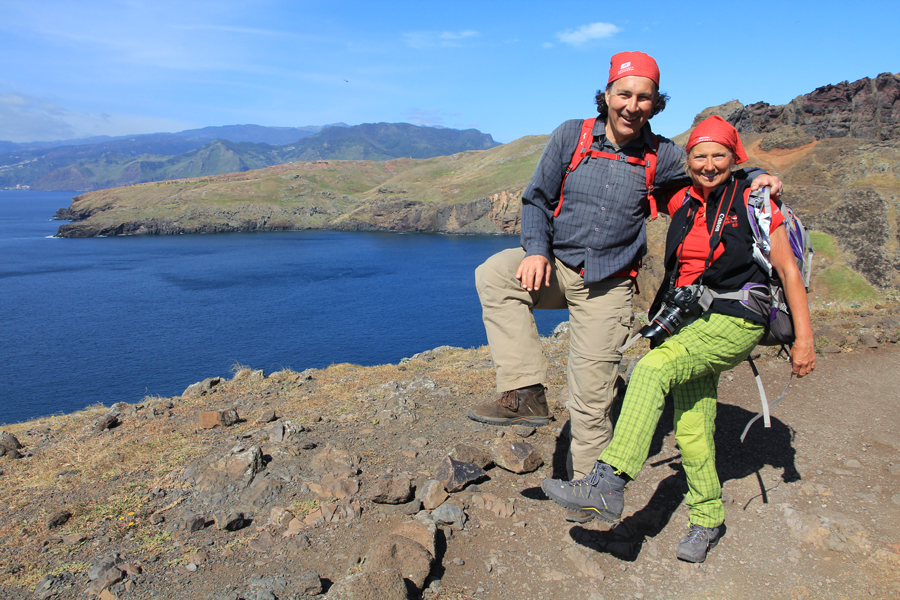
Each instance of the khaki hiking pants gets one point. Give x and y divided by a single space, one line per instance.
600 320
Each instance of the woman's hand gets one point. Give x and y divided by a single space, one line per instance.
803 357
772 181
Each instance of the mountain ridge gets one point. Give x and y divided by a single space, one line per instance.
156 157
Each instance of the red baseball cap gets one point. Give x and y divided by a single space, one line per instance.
716 129
638 64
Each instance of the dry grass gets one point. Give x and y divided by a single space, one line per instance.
104 479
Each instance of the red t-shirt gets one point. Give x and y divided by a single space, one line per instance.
696 242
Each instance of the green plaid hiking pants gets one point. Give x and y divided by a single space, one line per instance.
687 365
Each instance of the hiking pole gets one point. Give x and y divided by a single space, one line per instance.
766 405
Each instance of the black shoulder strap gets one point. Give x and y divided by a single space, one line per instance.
716 235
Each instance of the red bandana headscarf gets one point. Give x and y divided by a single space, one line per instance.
716 129
627 64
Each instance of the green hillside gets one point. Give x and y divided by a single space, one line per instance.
161 157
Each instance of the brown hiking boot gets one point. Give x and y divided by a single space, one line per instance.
524 406
579 516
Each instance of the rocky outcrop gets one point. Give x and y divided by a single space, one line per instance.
497 213
865 224
197 219
9 445
864 109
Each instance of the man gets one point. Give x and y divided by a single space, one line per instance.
581 251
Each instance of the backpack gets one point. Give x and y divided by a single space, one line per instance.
781 325
780 330
585 139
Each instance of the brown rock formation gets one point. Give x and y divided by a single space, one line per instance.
864 109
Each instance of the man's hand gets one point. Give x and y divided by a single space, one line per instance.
533 271
772 181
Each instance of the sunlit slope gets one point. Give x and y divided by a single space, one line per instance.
299 195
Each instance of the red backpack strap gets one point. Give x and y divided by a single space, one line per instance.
584 143
650 159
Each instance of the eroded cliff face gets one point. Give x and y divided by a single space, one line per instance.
498 213
864 109
850 189
96 222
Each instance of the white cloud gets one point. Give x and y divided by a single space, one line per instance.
587 33
29 119
438 39
429 118
26 118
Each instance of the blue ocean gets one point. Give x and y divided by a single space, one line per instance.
103 320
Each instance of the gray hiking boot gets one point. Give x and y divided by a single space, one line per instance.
694 546
524 406
601 493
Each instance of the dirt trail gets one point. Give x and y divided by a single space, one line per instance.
812 504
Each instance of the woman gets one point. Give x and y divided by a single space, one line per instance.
689 363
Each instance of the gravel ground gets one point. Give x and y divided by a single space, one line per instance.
812 504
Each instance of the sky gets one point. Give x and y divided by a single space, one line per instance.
96 67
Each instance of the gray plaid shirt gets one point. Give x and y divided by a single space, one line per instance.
601 223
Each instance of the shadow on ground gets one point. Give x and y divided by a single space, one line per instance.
771 447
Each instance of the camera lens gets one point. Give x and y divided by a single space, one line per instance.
655 333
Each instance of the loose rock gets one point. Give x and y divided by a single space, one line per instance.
432 494
231 521
307 583
218 418
471 454
231 474
518 457
201 388
387 584
58 519
456 475
106 422
494 504
449 514
390 490
397 552
522 430
421 533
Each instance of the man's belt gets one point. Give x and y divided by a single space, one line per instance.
629 272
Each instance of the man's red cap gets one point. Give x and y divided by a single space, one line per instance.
716 129
638 64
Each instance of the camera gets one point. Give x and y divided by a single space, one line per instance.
678 304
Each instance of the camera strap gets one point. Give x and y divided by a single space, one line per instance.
716 235
688 225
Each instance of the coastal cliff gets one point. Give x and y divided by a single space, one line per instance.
837 149
470 192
